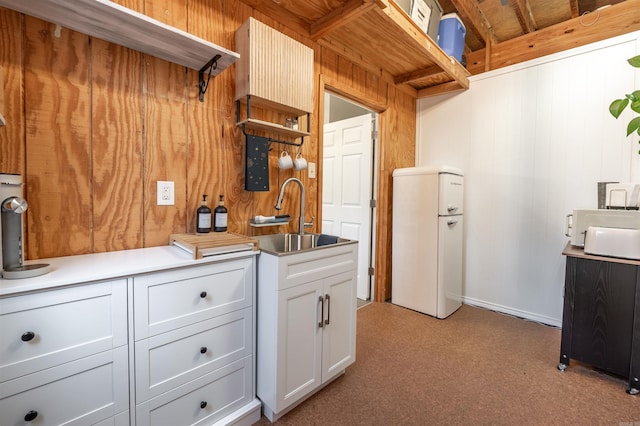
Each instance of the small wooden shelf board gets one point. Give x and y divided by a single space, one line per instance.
255 124
203 245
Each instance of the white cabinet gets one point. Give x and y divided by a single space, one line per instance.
194 344
306 323
167 345
64 356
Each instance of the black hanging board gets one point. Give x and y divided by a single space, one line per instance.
256 172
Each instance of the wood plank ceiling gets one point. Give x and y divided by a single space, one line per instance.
379 36
496 21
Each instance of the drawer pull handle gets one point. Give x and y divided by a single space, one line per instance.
328 299
31 415
203 404
203 350
29 335
203 294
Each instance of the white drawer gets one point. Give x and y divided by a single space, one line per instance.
224 391
313 265
42 330
121 419
171 359
166 301
81 392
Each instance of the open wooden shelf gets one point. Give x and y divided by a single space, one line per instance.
117 24
379 34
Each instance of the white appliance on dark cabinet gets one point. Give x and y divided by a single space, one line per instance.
427 239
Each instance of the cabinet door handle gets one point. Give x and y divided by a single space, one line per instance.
30 416
328 320
321 300
203 294
29 335
203 404
203 350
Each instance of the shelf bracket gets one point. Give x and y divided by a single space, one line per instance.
202 85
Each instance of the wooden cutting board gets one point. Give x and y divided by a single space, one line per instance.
213 243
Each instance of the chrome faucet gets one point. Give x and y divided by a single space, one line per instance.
279 203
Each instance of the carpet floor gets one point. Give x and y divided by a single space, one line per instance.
476 367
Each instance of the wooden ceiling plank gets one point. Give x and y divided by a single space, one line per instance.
475 20
366 65
575 8
620 18
522 8
340 16
418 75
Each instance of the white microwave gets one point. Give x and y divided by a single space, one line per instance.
581 219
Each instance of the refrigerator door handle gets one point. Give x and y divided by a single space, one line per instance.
452 222
451 208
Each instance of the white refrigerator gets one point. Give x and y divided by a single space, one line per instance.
427 239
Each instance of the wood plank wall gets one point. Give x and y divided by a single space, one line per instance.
92 126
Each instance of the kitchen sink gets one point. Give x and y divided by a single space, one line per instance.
290 243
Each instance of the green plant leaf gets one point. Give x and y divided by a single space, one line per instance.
633 96
618 106
635 106
635 61
633 126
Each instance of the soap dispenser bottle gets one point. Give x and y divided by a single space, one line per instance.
220 216
203 217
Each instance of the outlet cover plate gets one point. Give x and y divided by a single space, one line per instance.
165 193
312 170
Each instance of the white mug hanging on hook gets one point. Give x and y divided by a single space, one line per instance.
285 161
299 163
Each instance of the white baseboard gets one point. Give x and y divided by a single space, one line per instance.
555 322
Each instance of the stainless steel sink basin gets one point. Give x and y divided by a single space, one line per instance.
289 243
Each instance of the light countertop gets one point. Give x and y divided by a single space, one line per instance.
85 268
574 251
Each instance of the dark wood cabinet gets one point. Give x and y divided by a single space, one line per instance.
601 316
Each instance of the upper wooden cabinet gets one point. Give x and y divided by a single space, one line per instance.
117 24
275 70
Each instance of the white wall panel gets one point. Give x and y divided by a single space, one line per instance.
533 139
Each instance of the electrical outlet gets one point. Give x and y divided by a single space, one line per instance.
165 193
312 170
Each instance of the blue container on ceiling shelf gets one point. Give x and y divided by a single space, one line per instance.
451 35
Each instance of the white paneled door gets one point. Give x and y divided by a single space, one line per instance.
347 188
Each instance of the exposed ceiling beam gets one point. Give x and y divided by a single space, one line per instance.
279 14
475 20
440 89
522 8
340 16
419 75
620 18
